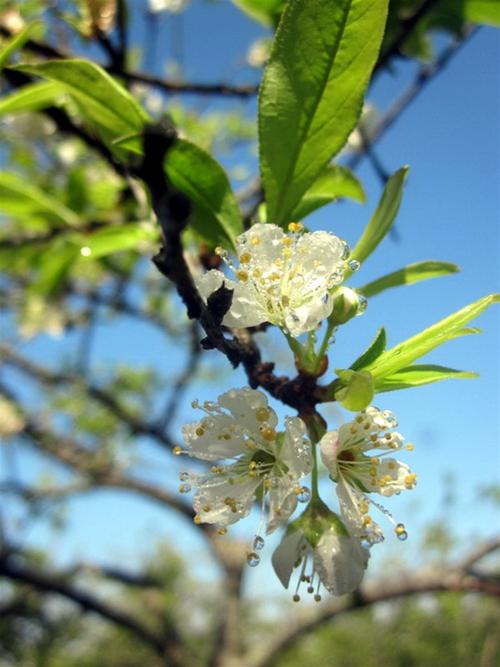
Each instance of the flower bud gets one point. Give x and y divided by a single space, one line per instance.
345 305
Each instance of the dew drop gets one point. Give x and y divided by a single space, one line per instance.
183 476
258 543
353 264
401 533
365 543
253 559
304 495
346 251
185 488
362 304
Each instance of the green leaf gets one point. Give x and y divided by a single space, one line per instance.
419 374
266 12
216 216
355 392
22 199
117 238
412 273
333 182
312 92
103 101
382 219
373 352
54 264
18 41
33 97
413 348
482 11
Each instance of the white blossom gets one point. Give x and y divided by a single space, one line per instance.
171 6
357 458
336 561
282 278
254 461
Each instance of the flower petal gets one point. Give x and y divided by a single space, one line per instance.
340 562
214 438
225 503
282 504
296 449
249 408
286 554
329 446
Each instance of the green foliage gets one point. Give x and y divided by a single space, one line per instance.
17 42
419 374
355 391
382 220
216 215
374 350
312 93
101 100
32 97
412 273
398 357
333 183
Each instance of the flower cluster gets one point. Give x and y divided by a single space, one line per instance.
284 279
252 461
292 280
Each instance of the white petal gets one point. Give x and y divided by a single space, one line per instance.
210 282
296 450
246 309
264 242
282 504
209 501
397 472
307 316
246 406
329 446
340 562
286 554
214 438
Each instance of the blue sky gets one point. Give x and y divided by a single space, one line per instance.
450 211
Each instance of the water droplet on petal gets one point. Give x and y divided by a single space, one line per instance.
258 543
304 495
253 559
365 543
401 533
346 251
353 264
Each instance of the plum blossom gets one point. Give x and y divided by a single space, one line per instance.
357 458
282 278
324 553
254 461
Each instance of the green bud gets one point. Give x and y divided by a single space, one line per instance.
355 392
345 305
315 521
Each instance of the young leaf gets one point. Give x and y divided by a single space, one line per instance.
216 216
419 374
412 273
382 219
312 92
32 97
335 181
482 11
21 199
54 266
355 392
103 101
17 42
377 346
266 12
117 238
405 353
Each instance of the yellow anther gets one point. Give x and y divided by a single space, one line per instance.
222 531
410 479
177 451
373 437
287 241
375 460
256 273
295 227
363 508
262 414
388 436
285 300
245 257
353 429
218 250
372 472
367 520
197 519
226 436
359 419
200 431
410 447
387 478
391 465
268 483
216 470
268 433
400 529
207 508
252 465
242 275
255 240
